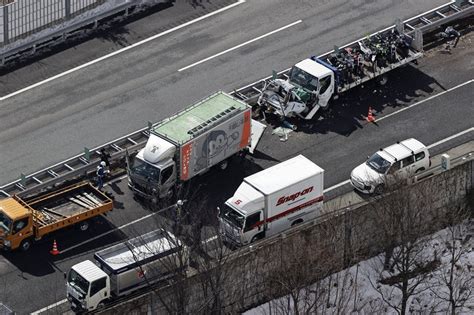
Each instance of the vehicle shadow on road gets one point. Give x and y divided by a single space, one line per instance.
345 115
38 260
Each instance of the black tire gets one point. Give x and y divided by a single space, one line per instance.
83 226
383 80
26 245
296 222
223 165
256 238
379 189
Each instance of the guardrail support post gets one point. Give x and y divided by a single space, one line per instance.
445 162
6 37
87 154
67 9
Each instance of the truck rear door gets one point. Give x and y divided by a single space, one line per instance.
257 131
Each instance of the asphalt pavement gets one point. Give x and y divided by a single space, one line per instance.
96 104
90 106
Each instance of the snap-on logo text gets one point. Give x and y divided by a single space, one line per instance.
294 196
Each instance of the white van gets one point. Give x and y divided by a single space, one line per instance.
398 161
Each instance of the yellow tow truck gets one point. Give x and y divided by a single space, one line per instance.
25 221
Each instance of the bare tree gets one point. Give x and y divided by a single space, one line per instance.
454 281
405 266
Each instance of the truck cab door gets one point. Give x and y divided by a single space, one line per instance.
21 229
326 89
98 293
167 180
253 227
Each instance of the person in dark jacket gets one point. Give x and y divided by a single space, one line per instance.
101 171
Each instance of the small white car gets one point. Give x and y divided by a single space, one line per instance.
398 161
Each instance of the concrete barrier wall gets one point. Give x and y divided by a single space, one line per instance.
318 248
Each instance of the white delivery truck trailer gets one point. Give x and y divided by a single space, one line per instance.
272 200
189 143
124 268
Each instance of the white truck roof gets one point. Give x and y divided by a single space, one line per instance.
89 271
138 251
312 67
282 175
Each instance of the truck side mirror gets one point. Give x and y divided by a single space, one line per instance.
64 275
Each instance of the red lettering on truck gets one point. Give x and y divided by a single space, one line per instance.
186 151
293 197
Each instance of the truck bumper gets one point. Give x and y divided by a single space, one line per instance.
76 306
3 247
139 192
230 242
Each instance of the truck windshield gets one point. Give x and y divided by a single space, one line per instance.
378 163
141 168
78 282
5 222
303 79
232 216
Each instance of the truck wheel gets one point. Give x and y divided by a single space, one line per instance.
25 245
379 189
223 165
256 238
84 226
296 222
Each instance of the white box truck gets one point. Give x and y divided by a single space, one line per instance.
124 268
272 200
189 143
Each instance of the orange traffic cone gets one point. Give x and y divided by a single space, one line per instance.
370 117
55 250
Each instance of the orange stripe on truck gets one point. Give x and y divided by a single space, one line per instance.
186 151
289 211
244 141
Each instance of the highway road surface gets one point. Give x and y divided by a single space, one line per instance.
89 106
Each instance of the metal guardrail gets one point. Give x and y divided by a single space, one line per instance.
434 170
82 163
62 34
424 23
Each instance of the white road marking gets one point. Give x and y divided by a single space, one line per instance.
146 40
49 307
425 100
429 147
215 237
337 185
241 45
450 138
111 231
